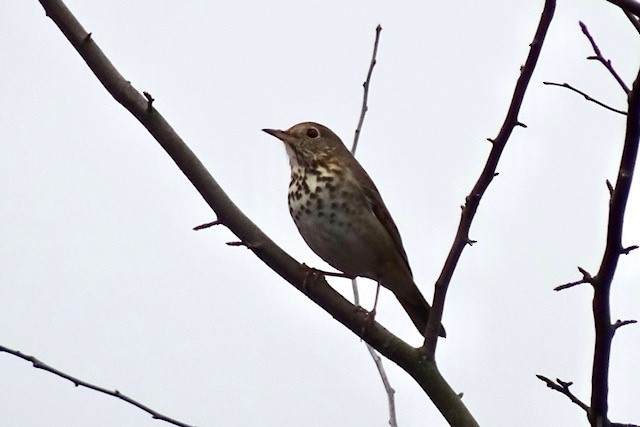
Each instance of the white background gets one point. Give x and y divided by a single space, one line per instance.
102 277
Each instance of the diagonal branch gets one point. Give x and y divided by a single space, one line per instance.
80 383
634 20
426 374
487 175
630 6
563 387
600 58
586 96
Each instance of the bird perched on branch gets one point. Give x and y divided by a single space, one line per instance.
340 214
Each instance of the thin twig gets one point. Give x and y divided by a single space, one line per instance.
587 97
621 323
488 173
598 57
78 382
393 421
391 402
586 278
563 387
365 97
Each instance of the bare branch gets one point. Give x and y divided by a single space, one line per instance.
587 97
80 383
586 278
628 249
365 96
634 20
393 421
621 323
613 249
563 387
598 57
630 6
473 199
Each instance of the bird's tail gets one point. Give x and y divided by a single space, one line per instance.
418 310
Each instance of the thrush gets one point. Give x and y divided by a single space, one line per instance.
341 216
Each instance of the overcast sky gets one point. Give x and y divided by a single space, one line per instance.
102 277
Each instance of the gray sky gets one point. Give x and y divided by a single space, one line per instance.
102 277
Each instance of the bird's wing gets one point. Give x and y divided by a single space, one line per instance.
379 209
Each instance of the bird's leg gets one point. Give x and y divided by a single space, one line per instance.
371 315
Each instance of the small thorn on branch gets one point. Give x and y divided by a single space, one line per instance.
240 243
87 38
149 101
491 140
471 242
610 187
625 251
620 323
207 225
586 278
518 123
496 174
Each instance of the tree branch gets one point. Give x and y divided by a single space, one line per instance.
473 199
587 97
365 96
425 373
634 20
586 278
80 383
613 250
393 420
563 387
630 6
598 57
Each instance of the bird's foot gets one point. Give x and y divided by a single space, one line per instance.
312 273
370 317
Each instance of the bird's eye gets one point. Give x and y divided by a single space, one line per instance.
313 133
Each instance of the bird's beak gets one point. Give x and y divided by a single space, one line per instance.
280 134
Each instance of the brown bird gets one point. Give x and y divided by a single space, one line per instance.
340 214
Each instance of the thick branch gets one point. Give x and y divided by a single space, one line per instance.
408 358
630 6
613 250
489 171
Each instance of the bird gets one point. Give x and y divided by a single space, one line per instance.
342 218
